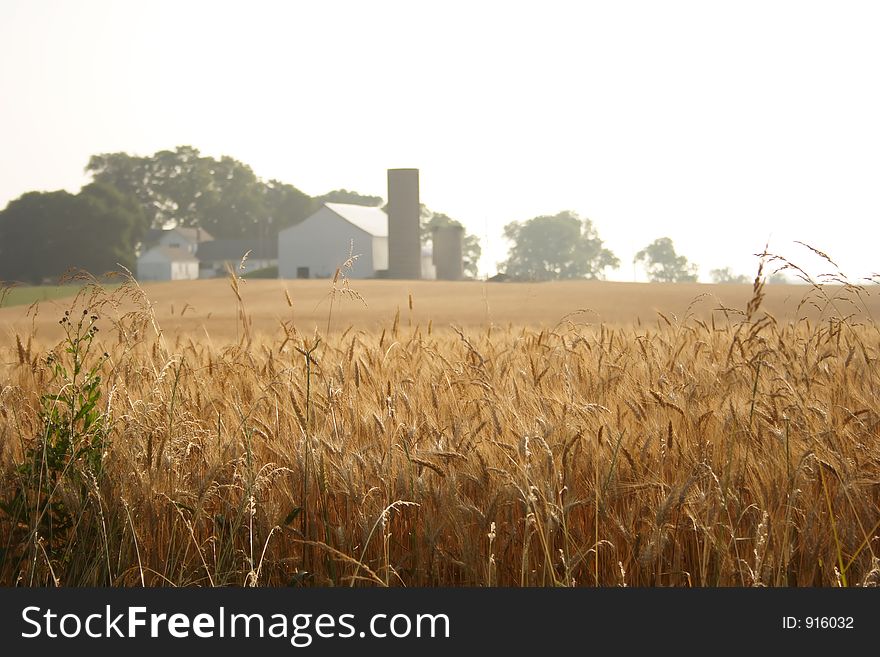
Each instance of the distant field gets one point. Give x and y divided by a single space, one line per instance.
27 294
210 307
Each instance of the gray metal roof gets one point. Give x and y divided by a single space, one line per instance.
369 219
173 253
154 234
194 234
235 249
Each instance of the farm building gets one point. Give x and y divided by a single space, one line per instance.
316 246
167 263
447 256
188 239
387 245
211 256
172 254
214 256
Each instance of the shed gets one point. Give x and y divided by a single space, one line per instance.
214 256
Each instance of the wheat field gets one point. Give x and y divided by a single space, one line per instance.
441 434
209 309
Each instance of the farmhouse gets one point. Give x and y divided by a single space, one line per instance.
171 254
188 239
167 263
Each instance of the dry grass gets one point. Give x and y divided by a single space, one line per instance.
725 448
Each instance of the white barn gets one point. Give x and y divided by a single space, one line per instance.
166 263
315 247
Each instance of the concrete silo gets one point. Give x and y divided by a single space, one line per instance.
449 252
404 243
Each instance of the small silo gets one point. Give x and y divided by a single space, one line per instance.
404 239
449 252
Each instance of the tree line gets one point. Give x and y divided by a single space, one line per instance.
104 225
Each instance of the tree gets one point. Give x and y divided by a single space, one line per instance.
724 275
130 175
346 196
44 234
471 249
28 246
778 278
105 234
563 246
285 204
185 188
664 265
167 184
224 196
185 184
231 204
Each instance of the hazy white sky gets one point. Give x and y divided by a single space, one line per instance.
718 124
